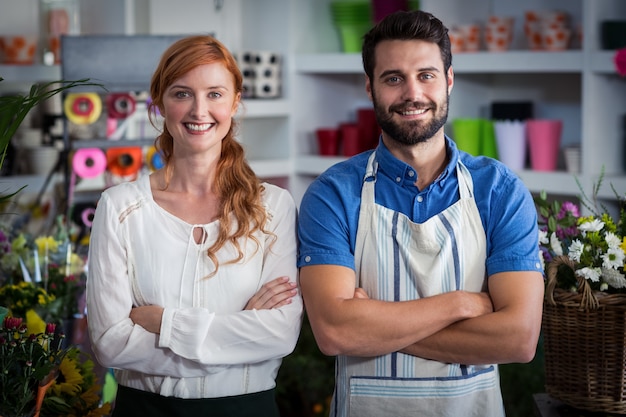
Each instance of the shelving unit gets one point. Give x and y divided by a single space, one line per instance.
579 86
323 86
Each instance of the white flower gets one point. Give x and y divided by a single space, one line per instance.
613 258
576 250
592 274
594 225
604 286
614 278
543 261
543 237
612 240
555 245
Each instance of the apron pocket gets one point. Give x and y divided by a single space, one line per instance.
471 395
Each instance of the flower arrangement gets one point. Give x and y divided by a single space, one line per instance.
595 244
28 360
75 392
43 274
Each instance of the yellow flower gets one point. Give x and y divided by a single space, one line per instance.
69 380
18 243
34 322
41 243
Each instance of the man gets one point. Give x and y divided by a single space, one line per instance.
419 263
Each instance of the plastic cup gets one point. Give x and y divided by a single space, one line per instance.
467 135
544 141
327 141
350 139
511 140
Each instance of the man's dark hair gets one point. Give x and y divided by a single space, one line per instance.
406 25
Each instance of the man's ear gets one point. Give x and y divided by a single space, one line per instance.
450 79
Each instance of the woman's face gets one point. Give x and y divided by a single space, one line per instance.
198 108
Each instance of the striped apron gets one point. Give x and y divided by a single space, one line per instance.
445 253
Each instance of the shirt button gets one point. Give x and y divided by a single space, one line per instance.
398 179
538 265
307 259
411 174
420 198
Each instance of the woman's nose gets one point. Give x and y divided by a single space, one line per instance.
200 107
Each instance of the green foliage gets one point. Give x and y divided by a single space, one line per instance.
306 378
14 108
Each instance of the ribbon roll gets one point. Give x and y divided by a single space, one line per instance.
120 105
154 159
124 161
82 108
89 162
86 216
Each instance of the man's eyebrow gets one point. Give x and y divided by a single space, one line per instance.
396 71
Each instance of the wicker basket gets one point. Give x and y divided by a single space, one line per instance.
584 343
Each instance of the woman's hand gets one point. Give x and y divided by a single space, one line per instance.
273 294
148 317
360 293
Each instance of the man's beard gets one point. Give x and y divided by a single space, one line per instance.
411 132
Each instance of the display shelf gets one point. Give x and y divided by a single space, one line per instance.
314 164
254 108
463 63
602 62
30 73
271 168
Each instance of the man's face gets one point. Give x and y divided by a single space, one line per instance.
410 90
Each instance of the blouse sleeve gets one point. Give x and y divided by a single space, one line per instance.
116 341
248 336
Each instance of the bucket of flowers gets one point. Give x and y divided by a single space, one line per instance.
584 318
29 363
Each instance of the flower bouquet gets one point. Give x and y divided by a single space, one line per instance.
29 363
584 318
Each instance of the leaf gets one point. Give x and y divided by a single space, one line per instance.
14 108
552 224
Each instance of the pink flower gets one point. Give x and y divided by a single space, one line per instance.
50 328
12 323
620 61
570 207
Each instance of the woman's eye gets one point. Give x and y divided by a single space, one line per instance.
181 94
215 94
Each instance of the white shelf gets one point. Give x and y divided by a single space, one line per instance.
602 62
314 164
263 108
464 63
271 168
29 73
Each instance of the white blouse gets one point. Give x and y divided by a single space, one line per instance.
140 254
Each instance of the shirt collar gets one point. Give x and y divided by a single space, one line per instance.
403 173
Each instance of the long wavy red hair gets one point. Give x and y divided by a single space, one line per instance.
237 186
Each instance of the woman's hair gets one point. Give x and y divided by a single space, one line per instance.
237 186
406 25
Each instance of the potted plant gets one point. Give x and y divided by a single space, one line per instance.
584 318
29 365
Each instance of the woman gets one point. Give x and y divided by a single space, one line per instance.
183 296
